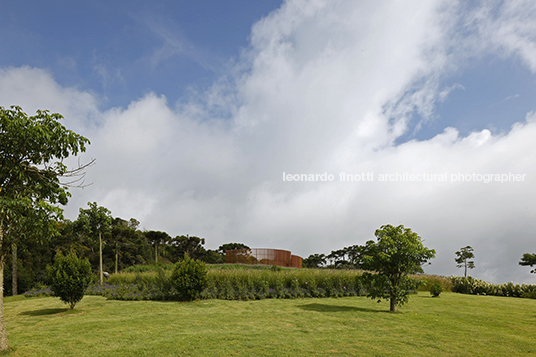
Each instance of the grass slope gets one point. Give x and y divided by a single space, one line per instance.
451 325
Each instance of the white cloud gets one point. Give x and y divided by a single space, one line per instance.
509 28
324 87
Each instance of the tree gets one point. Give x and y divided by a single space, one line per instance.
95 221
314 261
69 277
213 257
122 235
529 260
190 245
231 246
32 150
397 252
462 257
157 238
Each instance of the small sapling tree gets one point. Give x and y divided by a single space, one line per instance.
189 278
69 277
462 258
397 252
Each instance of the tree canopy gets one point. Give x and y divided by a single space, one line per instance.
396 253
529 260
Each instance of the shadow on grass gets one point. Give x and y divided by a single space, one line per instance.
42 312
335 308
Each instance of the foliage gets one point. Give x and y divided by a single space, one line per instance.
426 282
314 261
231 246
238 283
470 285
436 289
275 268
188 245
397 253
69 277
39 292
95 221
529 260
462 257
189 278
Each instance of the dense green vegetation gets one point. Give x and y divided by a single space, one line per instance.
241 282
474 286
69 277
452 325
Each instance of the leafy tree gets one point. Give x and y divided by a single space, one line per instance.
190 245
122 236
189 277
95 221
32 150
397 252
213 257
231 246
529 260
157 238
314 261
462 257
69 277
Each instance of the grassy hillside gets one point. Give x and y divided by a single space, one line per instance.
451 325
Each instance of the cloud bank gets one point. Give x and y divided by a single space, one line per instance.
324 88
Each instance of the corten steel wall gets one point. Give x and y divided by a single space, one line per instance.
279 257
296 261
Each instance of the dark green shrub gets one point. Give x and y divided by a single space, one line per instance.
531 295
189 278
275 268
436 289
69 277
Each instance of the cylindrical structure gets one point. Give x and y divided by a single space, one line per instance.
296 261
279 257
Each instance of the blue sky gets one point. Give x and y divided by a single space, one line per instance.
122 50
195 109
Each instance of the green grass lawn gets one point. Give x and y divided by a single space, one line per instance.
451 325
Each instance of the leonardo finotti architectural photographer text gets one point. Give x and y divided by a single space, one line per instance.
405 177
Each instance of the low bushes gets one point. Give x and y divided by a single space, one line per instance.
474 286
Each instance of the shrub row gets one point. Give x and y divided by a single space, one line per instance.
474 286
236 284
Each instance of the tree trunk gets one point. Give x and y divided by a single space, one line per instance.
393 304
4 345
155 253
14 267
100 258
465 268
116 256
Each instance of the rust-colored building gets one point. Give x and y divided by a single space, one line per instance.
279 257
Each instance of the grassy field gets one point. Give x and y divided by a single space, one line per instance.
451 325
